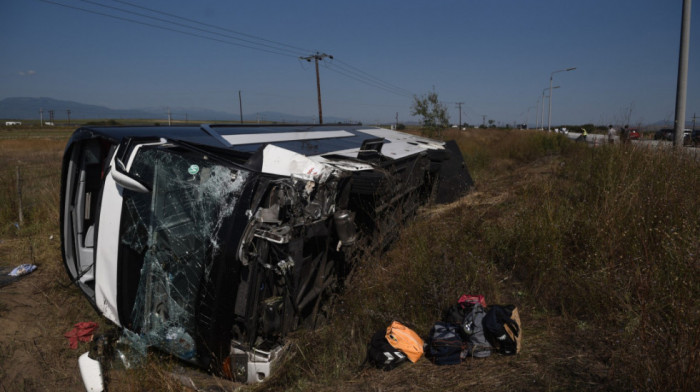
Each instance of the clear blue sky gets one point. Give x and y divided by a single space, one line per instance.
496 56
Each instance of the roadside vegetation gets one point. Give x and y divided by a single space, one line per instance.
598 248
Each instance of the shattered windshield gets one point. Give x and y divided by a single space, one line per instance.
168 239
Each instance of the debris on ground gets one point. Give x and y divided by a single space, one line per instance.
81 332
8 276
22 269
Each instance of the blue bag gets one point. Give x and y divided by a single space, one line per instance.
445 346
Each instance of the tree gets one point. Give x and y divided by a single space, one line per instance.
626 114
434 113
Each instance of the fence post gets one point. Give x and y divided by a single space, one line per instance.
19 196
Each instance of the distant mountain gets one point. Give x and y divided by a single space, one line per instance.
291 118
25 108
670 124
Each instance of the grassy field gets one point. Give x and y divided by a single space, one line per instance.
597 247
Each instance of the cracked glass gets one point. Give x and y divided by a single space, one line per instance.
174 231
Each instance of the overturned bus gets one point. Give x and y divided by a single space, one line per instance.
213 242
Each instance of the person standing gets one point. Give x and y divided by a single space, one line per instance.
625 135
611 134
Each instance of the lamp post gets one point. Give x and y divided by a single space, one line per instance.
542 112
551 76
682 85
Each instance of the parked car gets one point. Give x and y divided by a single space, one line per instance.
664 134
213 242
634 134
693 139
667 134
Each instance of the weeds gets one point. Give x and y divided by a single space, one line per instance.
598 247
603 240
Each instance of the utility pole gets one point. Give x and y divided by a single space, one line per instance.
682 85
542 112
51 117
168 116
41 117
483 119
397 120
459 105
240 105
68 113
316 57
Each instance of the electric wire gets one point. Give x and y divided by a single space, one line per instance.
373 81
188 26
338 66
214 26
165 28
357 70
352 69
368 82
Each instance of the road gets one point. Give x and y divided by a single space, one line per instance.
599 140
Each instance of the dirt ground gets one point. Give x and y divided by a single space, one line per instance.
35 312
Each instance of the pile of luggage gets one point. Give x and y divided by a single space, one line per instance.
468 328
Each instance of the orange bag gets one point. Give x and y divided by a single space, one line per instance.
403 338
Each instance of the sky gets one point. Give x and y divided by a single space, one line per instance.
496 57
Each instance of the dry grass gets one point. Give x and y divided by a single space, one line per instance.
597 247
37 310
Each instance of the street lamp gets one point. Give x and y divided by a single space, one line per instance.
551 76
542 112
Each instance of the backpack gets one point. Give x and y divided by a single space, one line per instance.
503 329
467 301
383 355
445 345
456 313
472 326
403 338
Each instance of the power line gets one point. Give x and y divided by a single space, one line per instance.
187 26
368 82
355 76
357 70
214 26
165 28
360 75
278 48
